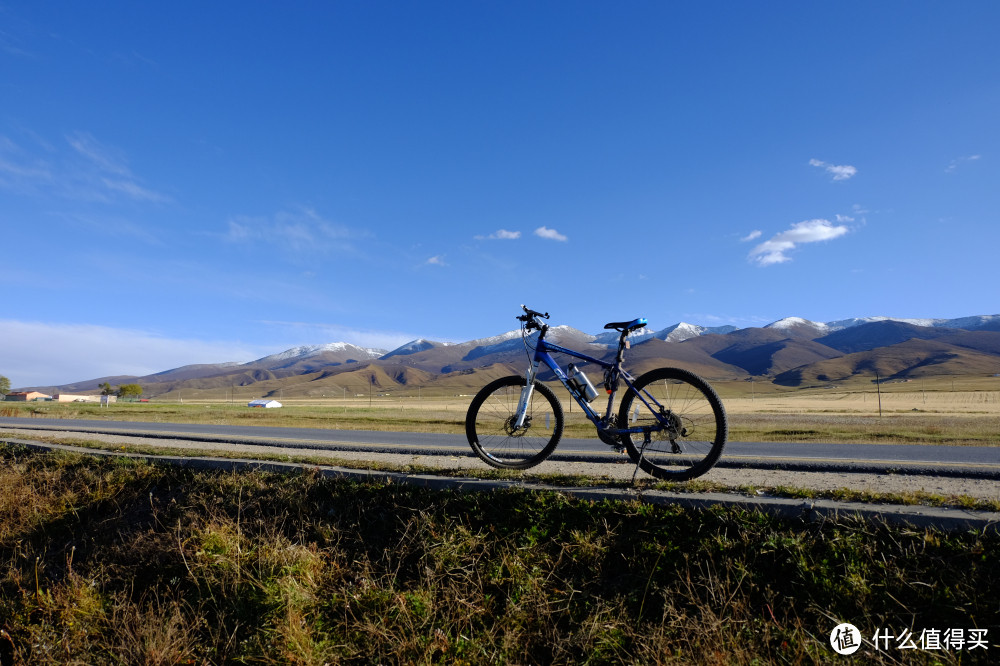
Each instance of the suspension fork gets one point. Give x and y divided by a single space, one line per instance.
529 388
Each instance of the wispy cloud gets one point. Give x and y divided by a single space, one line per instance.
839 172
957 162
775 250
300 233
105 158
90 171
108 166
436 260
753 235
322 333
501 234
551 234
21 172
10 44
44 354
133 190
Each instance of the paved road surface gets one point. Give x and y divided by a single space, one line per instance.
963 461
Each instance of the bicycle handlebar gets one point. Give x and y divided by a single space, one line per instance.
530 317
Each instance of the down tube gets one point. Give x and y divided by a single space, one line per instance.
561 376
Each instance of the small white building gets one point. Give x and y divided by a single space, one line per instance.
71 397
267 404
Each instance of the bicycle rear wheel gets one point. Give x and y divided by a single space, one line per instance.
489 424
686 424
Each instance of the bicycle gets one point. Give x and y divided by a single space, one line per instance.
670 421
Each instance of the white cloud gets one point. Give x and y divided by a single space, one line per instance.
10 44
133 190
775 250
110 160
551 234
839 172
437 260
756 233
298 233
92 171
42 354
111 167
501 234
21 172
955 163
317 333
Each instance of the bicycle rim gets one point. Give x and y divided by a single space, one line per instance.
490 431
697 430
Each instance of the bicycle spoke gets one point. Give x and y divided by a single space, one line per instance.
684 426
491 430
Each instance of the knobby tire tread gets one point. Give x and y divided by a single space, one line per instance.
501 450
655 462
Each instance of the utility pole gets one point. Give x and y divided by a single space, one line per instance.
878 388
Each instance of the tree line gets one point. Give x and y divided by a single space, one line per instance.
124 391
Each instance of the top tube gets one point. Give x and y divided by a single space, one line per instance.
544 346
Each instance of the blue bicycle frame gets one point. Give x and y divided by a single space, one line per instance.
542 354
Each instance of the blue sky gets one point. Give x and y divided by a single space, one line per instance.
195 182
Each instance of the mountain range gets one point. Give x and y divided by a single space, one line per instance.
789 352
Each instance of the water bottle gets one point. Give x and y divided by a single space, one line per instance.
583 385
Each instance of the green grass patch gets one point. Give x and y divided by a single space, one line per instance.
107 561
640 484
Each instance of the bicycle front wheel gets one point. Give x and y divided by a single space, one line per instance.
683 420
489 424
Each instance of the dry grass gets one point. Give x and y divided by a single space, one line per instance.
918 412
108 563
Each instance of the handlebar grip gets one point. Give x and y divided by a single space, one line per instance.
533 313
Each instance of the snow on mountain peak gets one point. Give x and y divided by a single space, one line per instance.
858 321
496 339
796 322
681 332
303 351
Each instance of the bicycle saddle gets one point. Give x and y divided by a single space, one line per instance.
627 325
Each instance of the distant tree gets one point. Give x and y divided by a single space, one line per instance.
4 385
126 391
106 389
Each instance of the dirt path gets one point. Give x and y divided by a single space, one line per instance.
876 483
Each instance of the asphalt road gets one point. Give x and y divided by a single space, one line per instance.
962 461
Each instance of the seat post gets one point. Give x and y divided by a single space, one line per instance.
621 346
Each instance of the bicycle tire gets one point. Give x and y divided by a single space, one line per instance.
488 424
694 445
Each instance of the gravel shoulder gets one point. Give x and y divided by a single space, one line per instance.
876 483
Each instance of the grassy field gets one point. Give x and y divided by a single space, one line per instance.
112 562
920 412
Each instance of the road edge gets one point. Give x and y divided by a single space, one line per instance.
818 510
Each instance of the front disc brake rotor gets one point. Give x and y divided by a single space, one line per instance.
512 430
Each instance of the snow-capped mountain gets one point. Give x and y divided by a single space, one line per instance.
974 323
784 344
799 327
684 331
305 351
415 346
508 342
